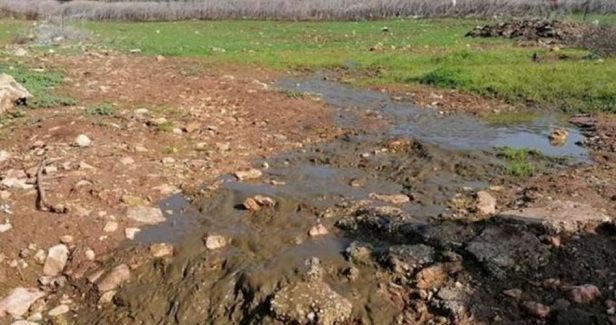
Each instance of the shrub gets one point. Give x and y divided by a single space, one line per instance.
600 40
101 110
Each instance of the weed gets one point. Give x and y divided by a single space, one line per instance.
512 154
105 109
165 127
40 85
519 169
168 150
446 78
518 161
294 94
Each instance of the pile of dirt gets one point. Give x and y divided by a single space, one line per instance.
531 30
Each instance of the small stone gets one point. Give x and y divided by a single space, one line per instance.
513 293
393 199
536 309
167 189
48 170
40 256
485 203
66 239
213 242
56 260
351 273
110 226
584 294
160 58
5 227
90 255
140 149
168 161
248 175
5 195
133 200
158 121
83 141
19 300
26 322
161 250
554 241
318 230
127 161
146 215
431 277
38 144
192 127
16 183
107 297
36 317
130 233
85 166
141 111
177 131
115 278
255 203
60 310
4 155
20 52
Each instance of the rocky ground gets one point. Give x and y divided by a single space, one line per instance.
346 227
175 125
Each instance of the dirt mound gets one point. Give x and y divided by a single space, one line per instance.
530 30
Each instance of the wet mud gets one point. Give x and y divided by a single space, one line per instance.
374 227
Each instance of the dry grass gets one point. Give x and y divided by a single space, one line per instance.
600 40
296 9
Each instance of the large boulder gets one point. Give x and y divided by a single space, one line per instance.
11 93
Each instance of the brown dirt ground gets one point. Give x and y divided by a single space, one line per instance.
233 116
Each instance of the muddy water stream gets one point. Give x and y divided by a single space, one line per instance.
423 155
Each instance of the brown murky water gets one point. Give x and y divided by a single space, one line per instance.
423 155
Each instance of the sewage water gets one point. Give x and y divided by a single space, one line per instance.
235 284
456 131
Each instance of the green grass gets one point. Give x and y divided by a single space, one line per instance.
9 29
165 127
40 84
430 51
520 169
512 154
104 109
433 52
518 161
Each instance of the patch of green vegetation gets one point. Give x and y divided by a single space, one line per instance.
168 150
10 28
512 154
41 85
430 51
446 78
104 109
165 127
294 94
520 169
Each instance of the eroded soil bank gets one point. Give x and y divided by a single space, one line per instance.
406 217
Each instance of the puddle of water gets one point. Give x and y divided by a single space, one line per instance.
455 131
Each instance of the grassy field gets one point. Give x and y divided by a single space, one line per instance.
433 52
